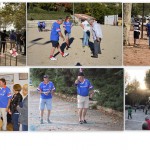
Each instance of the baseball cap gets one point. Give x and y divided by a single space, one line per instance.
45 76
80 74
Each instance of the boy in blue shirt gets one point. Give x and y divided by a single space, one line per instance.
54 37
5 98
46 89
84 88
67 26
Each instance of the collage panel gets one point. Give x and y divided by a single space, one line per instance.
74 34
12 34
137 99
13 101
76 99
136 33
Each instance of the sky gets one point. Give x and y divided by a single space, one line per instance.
138 74
1 5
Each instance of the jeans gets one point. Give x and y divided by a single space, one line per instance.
97 48
24 127
15 117
86 36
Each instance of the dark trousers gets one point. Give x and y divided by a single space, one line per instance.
24 127
3 45
129 116
15 117
97 49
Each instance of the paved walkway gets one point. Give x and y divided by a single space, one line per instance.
64 117
39 46
137 120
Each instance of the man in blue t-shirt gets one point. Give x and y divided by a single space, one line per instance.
39 26
148 31
5 97
54 37
46 89
84 89
67 26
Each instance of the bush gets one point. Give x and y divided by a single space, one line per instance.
37 10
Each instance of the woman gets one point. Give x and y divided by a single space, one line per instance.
23 110
67 26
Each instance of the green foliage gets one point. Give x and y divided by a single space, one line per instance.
136 96
109 83
137 9
147 79
47 16
14 13
48 11
99 10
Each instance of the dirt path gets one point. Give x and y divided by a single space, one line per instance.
39 49
137 56
64 117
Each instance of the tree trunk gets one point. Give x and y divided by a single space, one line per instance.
127 7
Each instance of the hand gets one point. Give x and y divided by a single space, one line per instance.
78 78
76 81
98 39
17 106
46 93
7 110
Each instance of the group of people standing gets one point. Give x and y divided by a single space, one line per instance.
16 39
84 92
88 25
146 123
15 105
137 28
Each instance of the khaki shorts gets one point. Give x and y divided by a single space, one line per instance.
83 101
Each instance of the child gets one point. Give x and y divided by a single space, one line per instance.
67 27
16 100
129 112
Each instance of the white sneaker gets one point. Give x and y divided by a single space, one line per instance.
53 58
65 54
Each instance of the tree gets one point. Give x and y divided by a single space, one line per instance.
127 7
132 91
147 79
14 13
109 83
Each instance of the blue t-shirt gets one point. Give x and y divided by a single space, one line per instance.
5 95
46 88
84 87
67 26
39 24
55 32
43 24
148 28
